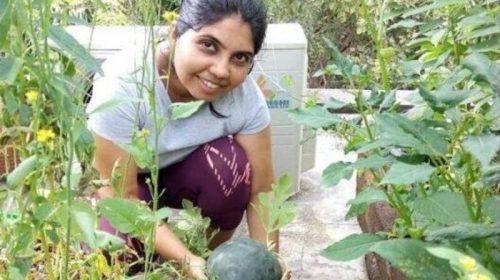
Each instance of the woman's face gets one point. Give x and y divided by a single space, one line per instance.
212 61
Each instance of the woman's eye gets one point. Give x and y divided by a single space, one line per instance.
242 58
208 45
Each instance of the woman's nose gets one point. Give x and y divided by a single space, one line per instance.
220 69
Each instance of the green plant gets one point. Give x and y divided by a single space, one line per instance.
437 163
45 221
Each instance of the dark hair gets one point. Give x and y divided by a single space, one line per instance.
194 14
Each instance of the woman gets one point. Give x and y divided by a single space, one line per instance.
219 157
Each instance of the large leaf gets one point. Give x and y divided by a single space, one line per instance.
401 173
462 262
316 117
360 203
402 132
464 231
444 98
483 147
433 6
351 247
335 172
492 208
122 214
485 69
485 46
490 177
85 219
9 68
447 208
411 257
184 110
373 161
72 48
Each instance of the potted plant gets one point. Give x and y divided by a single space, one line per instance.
436 164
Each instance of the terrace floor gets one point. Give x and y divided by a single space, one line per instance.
320 221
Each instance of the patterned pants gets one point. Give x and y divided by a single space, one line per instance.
215 177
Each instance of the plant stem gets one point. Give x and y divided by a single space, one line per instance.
48 262
68 202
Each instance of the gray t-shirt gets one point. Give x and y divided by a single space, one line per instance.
120 106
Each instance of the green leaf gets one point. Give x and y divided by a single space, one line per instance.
86 222
463 231
9 68
5 19
411 257
474 20
316 117
484 68
351 247
434 6
335 172
492 208
408 23
334 103
412 67
122 214
491 176
399 131
489 45
17 176
360 203
481 32
83 220
494 114
447 208
182 110
163 213
373 161
401 173
483 147
456 259
72 48
108 241
343 63
444 98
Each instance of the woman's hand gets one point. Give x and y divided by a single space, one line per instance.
195 267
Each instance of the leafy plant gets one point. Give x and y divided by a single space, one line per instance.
432 161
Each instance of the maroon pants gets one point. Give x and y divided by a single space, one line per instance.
215 177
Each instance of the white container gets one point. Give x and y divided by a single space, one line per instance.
280 68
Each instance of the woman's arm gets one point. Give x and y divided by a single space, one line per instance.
167 244
258 150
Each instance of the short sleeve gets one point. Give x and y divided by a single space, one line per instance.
112 113
257 115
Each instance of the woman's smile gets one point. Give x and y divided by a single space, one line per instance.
211 61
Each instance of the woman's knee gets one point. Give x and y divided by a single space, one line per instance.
226 194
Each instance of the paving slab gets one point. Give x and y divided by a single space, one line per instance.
320 221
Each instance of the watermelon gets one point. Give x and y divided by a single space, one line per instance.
243 258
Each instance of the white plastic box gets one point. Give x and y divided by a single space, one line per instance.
280 68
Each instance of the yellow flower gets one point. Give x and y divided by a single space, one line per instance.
170 16
478 276
101 265
45 135
143 133
468 263
31 96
